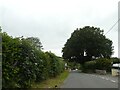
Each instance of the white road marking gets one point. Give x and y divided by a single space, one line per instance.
108 79
112 81
103 77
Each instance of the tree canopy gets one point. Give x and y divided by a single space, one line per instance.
87 43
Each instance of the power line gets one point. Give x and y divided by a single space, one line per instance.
112 26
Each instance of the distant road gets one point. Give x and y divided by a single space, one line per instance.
82 80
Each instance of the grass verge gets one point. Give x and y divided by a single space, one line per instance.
50 83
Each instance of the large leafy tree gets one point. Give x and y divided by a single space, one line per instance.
87 43
35 42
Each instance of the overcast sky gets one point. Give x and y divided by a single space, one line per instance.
53 21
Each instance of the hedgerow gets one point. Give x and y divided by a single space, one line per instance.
101 64
24 62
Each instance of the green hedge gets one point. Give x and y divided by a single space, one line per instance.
102 64
55 63
115 60
24 62
89 66
73 65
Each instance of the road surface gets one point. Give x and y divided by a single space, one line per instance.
82 80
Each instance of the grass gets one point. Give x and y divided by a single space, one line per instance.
50 83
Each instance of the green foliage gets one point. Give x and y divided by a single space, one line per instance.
9 70
115 60
35 42
56 65
101 64
73 65
0 29
90 40
24 62
89 66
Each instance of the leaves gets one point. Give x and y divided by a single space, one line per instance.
100 64
24 62
89 40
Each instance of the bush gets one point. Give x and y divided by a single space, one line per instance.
73 65
101 64
115 60
24 62
56 64
89 66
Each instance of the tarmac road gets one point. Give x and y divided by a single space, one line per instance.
82 80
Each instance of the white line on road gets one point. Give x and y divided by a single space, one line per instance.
112 81
103 77
108 79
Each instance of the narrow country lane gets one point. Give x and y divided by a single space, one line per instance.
82 80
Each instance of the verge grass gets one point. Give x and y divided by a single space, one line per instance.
52 82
